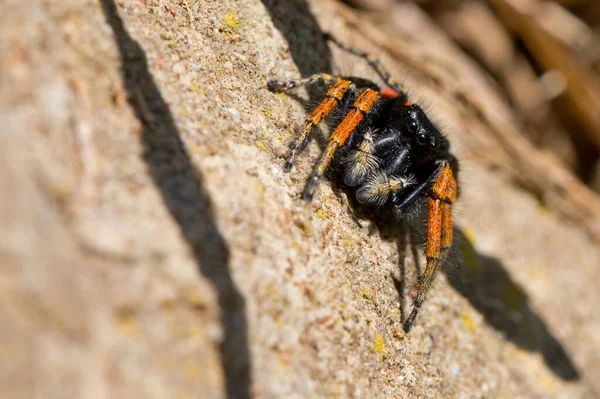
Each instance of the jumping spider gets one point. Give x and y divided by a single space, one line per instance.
392 157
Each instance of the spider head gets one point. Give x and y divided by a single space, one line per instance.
427 141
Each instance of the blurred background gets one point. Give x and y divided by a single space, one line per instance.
544 56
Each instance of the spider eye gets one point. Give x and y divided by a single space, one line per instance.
413 125
420 139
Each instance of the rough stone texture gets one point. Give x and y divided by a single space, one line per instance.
153 247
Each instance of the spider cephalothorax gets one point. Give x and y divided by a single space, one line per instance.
390 154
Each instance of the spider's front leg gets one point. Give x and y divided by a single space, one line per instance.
332 99
353 118
279 86
439 233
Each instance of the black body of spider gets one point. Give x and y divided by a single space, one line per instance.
387 152
393 158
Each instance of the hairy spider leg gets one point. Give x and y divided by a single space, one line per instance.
446 229
279 86
360 108
332 99
377 65
378 188
439 233
361 162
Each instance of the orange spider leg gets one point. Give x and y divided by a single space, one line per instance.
332 99
360 108
446 229
439 233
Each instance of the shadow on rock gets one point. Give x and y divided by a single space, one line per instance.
181 187
308 47
486 283
295 21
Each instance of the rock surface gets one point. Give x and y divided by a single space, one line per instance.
153 247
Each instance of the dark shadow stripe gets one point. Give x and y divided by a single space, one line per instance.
487 284
181 187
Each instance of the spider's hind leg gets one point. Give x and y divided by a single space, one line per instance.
439 233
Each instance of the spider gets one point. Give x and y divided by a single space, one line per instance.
390 154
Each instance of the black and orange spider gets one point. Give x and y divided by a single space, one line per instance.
392 157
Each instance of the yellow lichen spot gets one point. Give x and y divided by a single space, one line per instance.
549 384
537 272
468 322
231 23
127 322
320 214
258 187
272 290
196 332
195 299
220 74
306 229
282 364
196 88
192 370
544 208
267 112
379 344
346 239
278 324
261 144
366 293
469 234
